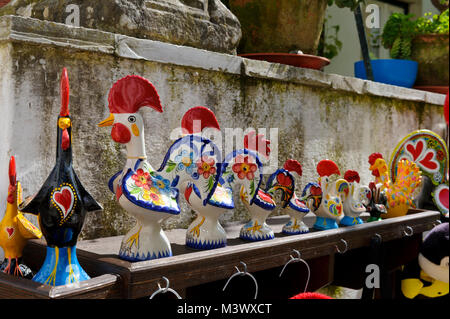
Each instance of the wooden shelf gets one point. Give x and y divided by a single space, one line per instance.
189 268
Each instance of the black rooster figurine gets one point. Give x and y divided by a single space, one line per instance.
62 204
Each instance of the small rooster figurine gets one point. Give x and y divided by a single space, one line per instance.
377 203
195 161
284 179
401 192
355 201
15 229
325 198
62 204
244 168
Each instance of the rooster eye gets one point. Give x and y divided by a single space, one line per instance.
132 119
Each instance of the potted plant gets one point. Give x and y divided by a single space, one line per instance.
430 48
398 33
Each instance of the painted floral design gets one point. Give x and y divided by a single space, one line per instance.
153 195
185 161
142 179
162 184
205 166
244 168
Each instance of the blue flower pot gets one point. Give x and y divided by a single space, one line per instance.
390 71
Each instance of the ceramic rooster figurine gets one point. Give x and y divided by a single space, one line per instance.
400 194
243 168
194 162
284 180
377 203
15 229
144 194
325 198
355 201
430 153
62 204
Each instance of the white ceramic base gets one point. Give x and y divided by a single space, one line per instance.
295 225
257 229
205 232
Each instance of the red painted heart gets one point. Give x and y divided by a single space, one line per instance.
284 180
415 150
429 162
10 231
443 197
64 199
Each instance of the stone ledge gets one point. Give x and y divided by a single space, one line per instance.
15 28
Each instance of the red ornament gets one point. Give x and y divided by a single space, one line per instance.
65 93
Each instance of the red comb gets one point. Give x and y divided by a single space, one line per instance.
327 168
12 171
196 119
131 93
257 143
293 166
351 176
64 91
373 157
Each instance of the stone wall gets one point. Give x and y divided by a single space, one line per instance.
318 115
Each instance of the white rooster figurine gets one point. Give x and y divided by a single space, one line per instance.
148 195
355 201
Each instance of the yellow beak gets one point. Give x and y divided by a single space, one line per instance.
108 122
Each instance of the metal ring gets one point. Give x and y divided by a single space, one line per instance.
408 231
165 290
243 273
345 249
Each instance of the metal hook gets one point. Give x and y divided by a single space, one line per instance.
345 249
242 273
408 231
165 290
298 259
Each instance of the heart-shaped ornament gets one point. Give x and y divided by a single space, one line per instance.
9 231
441 198
64 199
429 163
415 149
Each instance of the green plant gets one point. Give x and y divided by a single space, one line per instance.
438 24
329 45
398 33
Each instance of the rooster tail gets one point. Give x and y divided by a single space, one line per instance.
282 180
242 167
195 160
408 179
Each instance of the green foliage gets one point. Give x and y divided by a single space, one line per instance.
351 4
438 24
398 33
329 45
401 29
